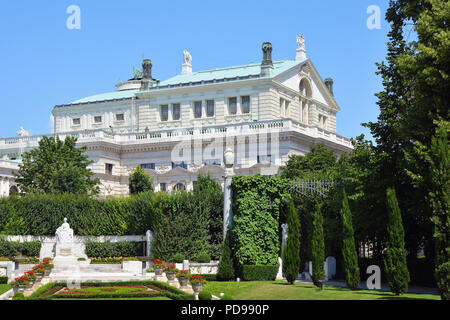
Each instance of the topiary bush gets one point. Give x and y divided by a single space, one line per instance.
18 296
114 249
3 280
205 295
178 258
31 249
259 273
203 257
225 270
226 296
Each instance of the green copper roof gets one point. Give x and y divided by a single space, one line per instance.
108 96
252 70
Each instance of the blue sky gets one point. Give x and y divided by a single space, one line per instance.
44 64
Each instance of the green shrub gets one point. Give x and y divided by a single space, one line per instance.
291 252
18 296
209 277
203 257
3 280
225 270
178 258
256 209
205 295
227 296
31 249
9 249
259 273
114 249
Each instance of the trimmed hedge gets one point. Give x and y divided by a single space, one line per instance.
114 249
205 295
259 273
3 280
28 249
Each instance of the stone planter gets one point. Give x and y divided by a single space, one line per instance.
197 287
183 282
170 276
39 276
158 271
47 272
21 288
30 283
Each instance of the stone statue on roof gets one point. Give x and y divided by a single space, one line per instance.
301 41
137 73
187 57
22 132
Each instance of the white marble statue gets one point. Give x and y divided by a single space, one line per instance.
64 234
187 57
22 132
301 41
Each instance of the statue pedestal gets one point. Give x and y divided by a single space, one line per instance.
64 259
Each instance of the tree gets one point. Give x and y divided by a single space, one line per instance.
318 246
225 270
56 167
140 181
349 253
439 200
395 261
291 252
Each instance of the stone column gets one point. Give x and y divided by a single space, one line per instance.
149 239
1 187
228 200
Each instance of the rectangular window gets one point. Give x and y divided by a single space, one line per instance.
176 112
98 119
148 166
215 162
210 108
164 112
245 104
265 159
232 105
120 117
163 186
179 164
108 168
76 121
197 109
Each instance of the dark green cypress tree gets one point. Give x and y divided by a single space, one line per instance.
349 253
318 246
395 261
291 252
225 270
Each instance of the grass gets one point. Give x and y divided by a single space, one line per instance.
280 290
4 288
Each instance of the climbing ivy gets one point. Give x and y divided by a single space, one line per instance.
256 210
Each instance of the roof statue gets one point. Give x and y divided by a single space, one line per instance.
301 41
187 57
137 73
22 132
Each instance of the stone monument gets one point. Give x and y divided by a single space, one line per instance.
64 256
227 203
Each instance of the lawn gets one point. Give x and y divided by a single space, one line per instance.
4 288
279 290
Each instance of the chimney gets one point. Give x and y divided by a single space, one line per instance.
266 64
329 83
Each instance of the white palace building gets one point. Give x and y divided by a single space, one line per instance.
179 128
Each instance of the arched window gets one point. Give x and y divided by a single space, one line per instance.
13 191
305 88
179 186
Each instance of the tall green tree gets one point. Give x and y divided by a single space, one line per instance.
349 254
56 167
318 246
439 200
291 252
225 270
395 260
140 181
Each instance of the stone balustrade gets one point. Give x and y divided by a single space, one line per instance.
175 135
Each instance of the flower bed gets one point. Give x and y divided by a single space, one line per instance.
114 290
112 260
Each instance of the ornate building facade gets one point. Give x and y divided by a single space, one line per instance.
179 128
